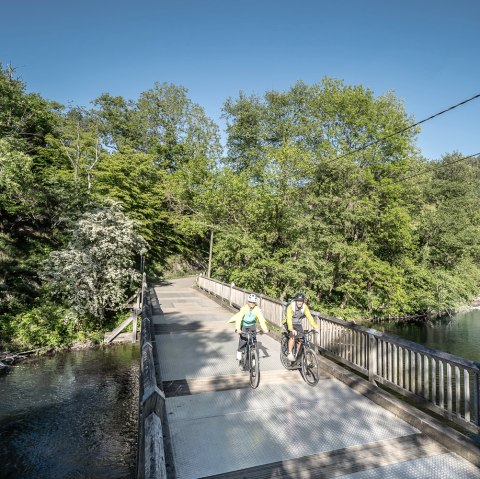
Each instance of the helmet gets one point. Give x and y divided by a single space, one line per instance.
252 298
299 297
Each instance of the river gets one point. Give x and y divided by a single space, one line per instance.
71 415
458 335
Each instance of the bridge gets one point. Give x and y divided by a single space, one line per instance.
200 418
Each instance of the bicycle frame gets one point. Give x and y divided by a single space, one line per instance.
250 342
250 358
301 343
305 357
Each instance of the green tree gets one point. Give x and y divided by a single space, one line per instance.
323 219
165 150
25 119
97 270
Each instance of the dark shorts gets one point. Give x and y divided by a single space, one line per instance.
299 329
242 340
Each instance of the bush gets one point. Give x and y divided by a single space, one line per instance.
47 325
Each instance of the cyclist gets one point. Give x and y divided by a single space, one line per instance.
296 311
245 320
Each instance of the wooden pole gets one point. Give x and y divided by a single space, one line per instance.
210 254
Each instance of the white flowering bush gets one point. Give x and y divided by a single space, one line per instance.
95 273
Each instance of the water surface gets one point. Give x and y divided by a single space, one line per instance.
72 415
458 335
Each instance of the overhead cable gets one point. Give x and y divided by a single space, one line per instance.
444 165
398 132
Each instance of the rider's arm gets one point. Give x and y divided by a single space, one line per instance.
261 318
309 316
289 317
237 316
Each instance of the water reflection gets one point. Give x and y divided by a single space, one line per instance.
73 415
458 335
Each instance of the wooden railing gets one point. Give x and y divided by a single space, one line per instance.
443 383
150 452
133 318
273 310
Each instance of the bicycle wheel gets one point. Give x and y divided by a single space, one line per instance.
284 351
254 368
310 367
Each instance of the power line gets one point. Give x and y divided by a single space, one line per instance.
398 132
436 168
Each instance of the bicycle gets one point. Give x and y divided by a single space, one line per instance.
250 360
305 356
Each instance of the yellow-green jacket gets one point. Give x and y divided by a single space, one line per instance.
292 308
237 318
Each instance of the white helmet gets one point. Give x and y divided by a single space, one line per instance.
252 298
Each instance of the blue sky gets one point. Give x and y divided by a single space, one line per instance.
426 52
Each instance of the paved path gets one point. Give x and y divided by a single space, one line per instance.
220 427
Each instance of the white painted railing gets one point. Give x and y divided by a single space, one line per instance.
446 384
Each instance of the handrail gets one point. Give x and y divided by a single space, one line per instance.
403 342
443 383
150 450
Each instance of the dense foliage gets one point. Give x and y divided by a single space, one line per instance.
315 192
360 230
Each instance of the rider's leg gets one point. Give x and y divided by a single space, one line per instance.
291 342
295 335
242 341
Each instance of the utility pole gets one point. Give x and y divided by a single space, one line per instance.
210 254
143 251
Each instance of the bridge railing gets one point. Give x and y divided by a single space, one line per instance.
150 450
273 309
443 383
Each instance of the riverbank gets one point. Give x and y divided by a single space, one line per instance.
419 318
11 358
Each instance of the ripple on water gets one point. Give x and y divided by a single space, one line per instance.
72 415
458 335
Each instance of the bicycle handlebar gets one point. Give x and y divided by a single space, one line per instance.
257 331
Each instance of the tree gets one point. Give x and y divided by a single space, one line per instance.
95 273
448 231
164 149
324 219
25 119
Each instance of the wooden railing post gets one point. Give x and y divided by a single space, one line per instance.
372 356
476 398
134 329
144 287
231 294
151 462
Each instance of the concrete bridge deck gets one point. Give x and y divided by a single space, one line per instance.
220 427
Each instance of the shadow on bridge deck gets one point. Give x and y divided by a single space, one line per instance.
219 427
